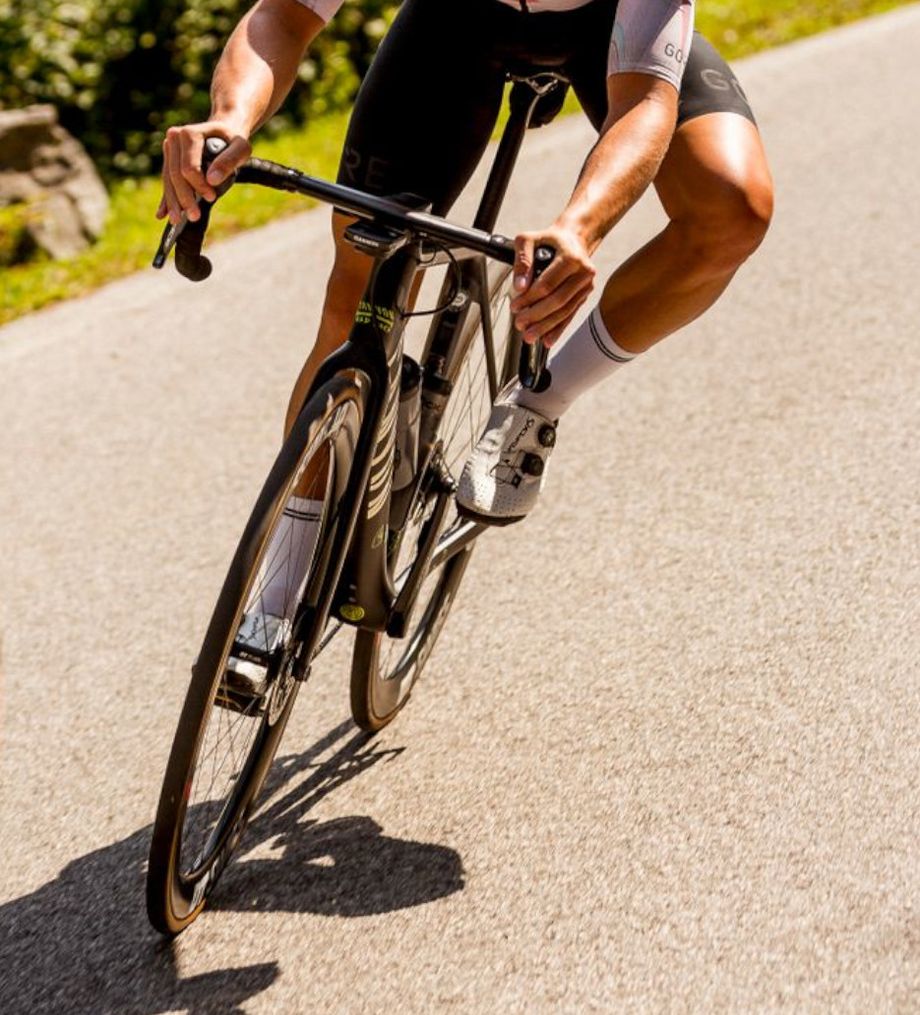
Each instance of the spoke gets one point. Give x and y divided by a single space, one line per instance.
461 425
336 627
461 409
230 737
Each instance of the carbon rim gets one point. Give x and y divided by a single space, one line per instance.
199 830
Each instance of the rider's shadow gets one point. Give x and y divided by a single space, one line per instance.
81 942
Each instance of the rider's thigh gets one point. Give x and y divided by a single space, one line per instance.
716 178
351 271
426 107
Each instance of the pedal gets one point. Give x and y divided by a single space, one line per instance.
259 636
246 682
242 699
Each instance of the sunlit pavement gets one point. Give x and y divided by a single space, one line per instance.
666 755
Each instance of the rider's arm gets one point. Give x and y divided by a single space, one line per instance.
648 51
626 158
259 64
255 73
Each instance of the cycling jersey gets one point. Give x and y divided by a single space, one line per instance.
649 36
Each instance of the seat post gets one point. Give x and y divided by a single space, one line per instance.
525 95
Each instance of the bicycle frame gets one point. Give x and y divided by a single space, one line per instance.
356 585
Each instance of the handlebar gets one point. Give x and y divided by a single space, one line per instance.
187 237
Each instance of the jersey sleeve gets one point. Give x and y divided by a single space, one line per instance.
324 8
652 37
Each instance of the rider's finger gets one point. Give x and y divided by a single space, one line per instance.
553 337
175 212
523 262
180 173
558 272
162 208
552 278
179 193
230 159
169 199
574 285
173 208
192 146
557 319
185 196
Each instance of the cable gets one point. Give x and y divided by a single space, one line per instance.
452 293
454 288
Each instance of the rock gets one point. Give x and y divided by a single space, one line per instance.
43 165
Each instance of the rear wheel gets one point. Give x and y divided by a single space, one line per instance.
226 739
384 669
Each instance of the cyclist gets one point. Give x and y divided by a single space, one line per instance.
668 111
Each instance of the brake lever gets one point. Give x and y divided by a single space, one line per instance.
171 234
187 237
532 366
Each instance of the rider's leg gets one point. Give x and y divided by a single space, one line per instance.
347 282
286 559
716 188
401 138
421 121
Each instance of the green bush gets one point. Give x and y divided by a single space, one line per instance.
121 71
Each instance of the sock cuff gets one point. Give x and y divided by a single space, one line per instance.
604 341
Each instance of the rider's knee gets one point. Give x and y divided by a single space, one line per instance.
733 225
752 212
347 280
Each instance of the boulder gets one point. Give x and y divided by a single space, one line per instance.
44 166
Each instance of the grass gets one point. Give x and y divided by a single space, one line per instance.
736 27
132 234
740 27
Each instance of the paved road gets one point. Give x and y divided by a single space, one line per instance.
667 755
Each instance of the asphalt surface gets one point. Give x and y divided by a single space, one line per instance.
666 756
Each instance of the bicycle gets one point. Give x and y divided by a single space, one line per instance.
390 548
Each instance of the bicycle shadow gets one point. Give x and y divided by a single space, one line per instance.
340 867
82 942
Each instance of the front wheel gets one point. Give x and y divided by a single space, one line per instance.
385 669
226 739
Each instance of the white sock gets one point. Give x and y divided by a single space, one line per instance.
585 358
288 556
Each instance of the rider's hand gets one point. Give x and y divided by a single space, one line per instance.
543 308
183 180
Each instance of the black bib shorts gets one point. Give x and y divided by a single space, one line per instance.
428 105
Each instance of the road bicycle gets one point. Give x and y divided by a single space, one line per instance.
378 445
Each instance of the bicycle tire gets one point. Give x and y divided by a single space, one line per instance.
380 683
177 887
